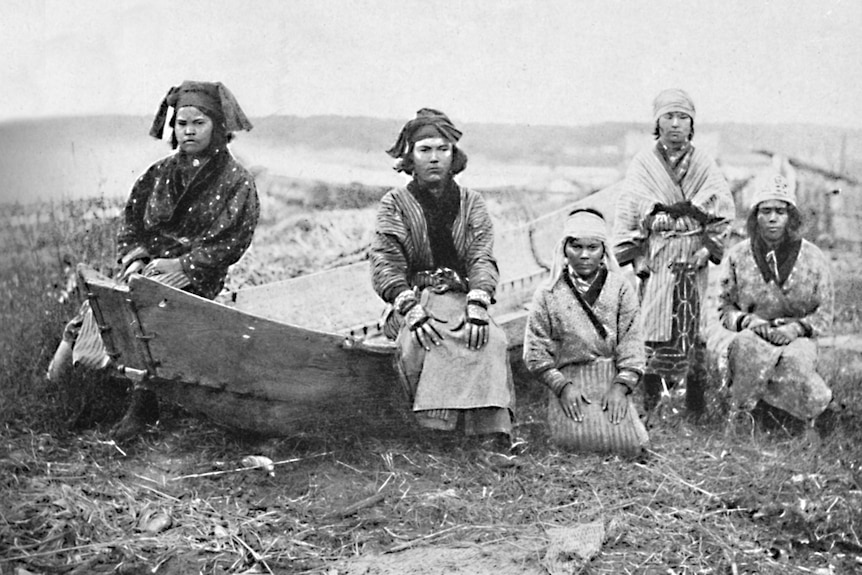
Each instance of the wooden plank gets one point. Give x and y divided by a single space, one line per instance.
199 341
278 418
332 300
121 331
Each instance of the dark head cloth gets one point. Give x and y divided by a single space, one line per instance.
427 123
211 98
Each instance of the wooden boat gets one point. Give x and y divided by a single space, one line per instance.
277 357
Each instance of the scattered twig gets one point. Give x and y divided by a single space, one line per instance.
351 509
238 469
424 538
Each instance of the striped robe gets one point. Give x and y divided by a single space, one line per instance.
649 182
401 246
400 249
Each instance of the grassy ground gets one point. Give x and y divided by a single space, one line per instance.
381 496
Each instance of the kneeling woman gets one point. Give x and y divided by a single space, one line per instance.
776 292
583 340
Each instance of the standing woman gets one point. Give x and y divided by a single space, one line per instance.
583 341
432 261
672 219
777 294
189 217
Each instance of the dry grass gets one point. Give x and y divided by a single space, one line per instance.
762 500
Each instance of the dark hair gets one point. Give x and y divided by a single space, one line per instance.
656 134
220 135
588 210
459 161
794 222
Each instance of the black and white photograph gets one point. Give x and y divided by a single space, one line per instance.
399 287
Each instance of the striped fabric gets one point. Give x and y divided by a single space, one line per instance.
659 242
401 247
559 334
596 433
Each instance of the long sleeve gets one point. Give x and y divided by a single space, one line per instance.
807 295
228 238
540 347
481 265
729 312
819 322
388 255
131 233
630 353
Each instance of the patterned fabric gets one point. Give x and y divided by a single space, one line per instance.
807 294
654 242
208 223
401 247
677 161
672 359
400 252
775 265
783 376
559 332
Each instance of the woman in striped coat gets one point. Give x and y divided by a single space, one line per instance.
672 220
432 261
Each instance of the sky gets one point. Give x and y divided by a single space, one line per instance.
570 62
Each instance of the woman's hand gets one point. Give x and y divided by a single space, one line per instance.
615 403
420 324
134 267
477 326
699 258
161 266
572 402
783 335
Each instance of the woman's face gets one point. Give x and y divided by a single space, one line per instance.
432 159
674 129
193 129
584 255
772 218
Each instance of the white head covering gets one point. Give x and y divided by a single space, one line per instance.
774 187
582 224
672 100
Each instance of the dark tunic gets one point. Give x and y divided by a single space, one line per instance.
207 223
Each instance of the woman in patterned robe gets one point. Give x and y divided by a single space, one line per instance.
777 295
672 220
188 218
432 261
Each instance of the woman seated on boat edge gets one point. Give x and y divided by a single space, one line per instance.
188 218
583 340
432 261
776 297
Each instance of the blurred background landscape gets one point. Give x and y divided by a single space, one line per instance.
69 158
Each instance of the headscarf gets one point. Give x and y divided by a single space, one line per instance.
773 187
672 100
582 224
211 98
428 123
